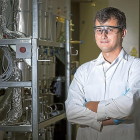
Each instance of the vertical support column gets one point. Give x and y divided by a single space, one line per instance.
35 132
67 69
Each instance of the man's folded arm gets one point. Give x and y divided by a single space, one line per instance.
125 105
75 111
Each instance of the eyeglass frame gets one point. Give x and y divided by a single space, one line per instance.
114 27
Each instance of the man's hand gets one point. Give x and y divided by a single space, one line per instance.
108 122
92 105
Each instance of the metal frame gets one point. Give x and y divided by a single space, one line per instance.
20 128
67 68
35 42
15 84
35 95
52 120
51 44
14 41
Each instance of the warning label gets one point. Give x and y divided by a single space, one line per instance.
134 52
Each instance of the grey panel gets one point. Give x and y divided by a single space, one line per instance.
26 54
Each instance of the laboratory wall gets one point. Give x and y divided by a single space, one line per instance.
75 12
89 50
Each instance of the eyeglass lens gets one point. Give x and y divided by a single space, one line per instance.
107 29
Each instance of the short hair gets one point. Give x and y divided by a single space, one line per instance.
110 12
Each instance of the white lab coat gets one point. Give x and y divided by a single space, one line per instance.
90 83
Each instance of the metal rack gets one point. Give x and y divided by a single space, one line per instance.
35 42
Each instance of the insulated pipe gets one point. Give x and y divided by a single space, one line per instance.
4 106
3 27
67 69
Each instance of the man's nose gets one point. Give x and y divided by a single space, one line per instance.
104 34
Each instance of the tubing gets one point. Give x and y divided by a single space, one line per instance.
67 69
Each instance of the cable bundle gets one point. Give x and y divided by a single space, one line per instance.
6 75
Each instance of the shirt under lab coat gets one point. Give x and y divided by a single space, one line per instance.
93 83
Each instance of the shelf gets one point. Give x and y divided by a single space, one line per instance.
19 128
15 84
52 120
14 41
50 44
28 40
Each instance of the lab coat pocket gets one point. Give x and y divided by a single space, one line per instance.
118 88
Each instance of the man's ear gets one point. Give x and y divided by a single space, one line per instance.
124 33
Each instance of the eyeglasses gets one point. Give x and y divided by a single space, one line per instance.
108 29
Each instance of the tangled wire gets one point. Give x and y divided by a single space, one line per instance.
7 72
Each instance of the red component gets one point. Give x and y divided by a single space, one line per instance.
22 49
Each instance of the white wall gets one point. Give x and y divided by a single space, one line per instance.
89 49
131 10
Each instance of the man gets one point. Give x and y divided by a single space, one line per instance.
104 94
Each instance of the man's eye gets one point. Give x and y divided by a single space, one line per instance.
110 30
99 30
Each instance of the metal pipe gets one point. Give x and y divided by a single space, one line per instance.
67 69
35 82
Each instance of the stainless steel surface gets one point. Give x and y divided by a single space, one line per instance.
51 44
41 66
52 66
53 26
24 23
26 71
24 17
41 24
14 41
35 19
44 60
35 92
67 10
19 128
46 20
25 5
26 26
59 8
46 70
49 6
67 69
26 54
42 5
15 84
52 120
